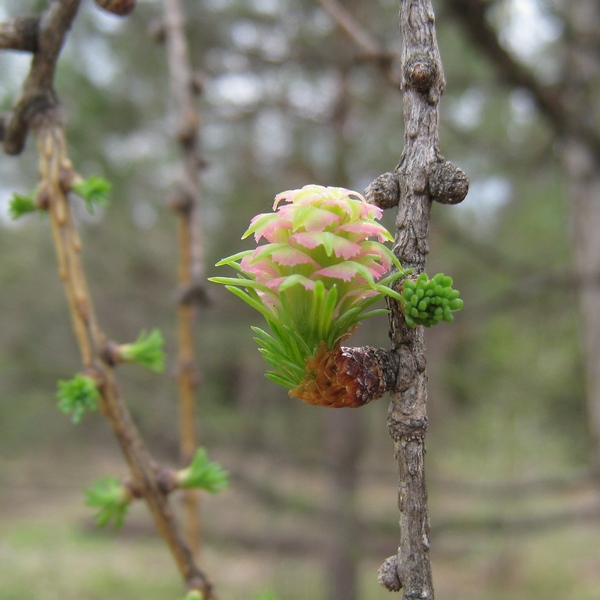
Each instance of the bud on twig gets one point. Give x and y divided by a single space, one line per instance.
121 8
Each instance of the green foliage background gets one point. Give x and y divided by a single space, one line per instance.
286 102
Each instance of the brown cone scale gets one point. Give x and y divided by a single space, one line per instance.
345 377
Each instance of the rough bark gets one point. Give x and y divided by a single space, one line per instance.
422 84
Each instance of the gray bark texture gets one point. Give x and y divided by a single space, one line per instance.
421 176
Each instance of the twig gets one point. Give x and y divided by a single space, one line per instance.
369 47
423 85
190 243
38 96
91 340
38 107
20 33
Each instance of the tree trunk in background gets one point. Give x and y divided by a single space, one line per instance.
582 165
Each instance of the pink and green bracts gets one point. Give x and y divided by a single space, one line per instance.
314 281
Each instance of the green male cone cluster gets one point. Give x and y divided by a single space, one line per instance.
428 301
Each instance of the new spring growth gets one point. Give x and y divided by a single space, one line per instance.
193 595
146 351
20 205
317 276
111 498
77 396
94 191
203 474
314 281
428 301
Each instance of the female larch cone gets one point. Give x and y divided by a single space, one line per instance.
346 377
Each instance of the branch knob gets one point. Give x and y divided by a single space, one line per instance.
448 184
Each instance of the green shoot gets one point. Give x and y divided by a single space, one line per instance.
112 500
146 351
76 396
94 191
21 205
204 474
193 595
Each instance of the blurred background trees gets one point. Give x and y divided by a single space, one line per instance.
288 100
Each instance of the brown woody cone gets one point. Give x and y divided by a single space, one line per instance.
345 376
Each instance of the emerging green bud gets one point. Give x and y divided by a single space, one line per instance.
203 474
146 351
193 595
20 205
111 498
94 191
78 395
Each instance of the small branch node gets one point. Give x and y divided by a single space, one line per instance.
194 293
133 490
384 191
42 199
157 31
66 176
388 574
420 73
198 83
181 201
166 481
202 163
448 184
110 353
121 8
187 132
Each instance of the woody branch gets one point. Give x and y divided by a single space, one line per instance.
38 109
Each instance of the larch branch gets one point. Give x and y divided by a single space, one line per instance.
38 108
20 33
422 85
191 268
91 340
38 96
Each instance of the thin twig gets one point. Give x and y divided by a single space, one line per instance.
91 340
38 107
37 95
20 33
190 242
369 47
